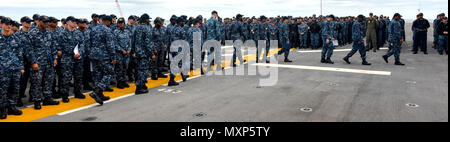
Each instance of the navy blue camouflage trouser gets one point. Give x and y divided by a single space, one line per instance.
143 66
68 70
42 82
327 49
361 48
395 50
121 68
158 64
102 74
10 86
303 40
286 48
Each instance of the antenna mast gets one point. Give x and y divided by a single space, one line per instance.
118 7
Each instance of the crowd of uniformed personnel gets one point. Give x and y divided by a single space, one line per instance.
94 55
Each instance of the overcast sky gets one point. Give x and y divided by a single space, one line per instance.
226 8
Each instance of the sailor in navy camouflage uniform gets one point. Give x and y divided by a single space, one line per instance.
123 48
284 36
43 59
194 29
263 31
358 42
131 26
237 33
83 27
213 30
328 35
395 40
55 32
178 34
254 31
159 41
302 31
11 67
103 57
71 52
24 39
272 35
169 30
141 51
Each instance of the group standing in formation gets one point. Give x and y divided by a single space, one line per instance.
95 55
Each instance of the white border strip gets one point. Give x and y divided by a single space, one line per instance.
336 50
326 69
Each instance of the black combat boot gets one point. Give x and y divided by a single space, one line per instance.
386 58
12 110
79 95
103 97
323 60
346 59
184 77
172 81
364 62
287 60
49 102
141 90
65 97
96 96
399 63
37 105
329 61
3 113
